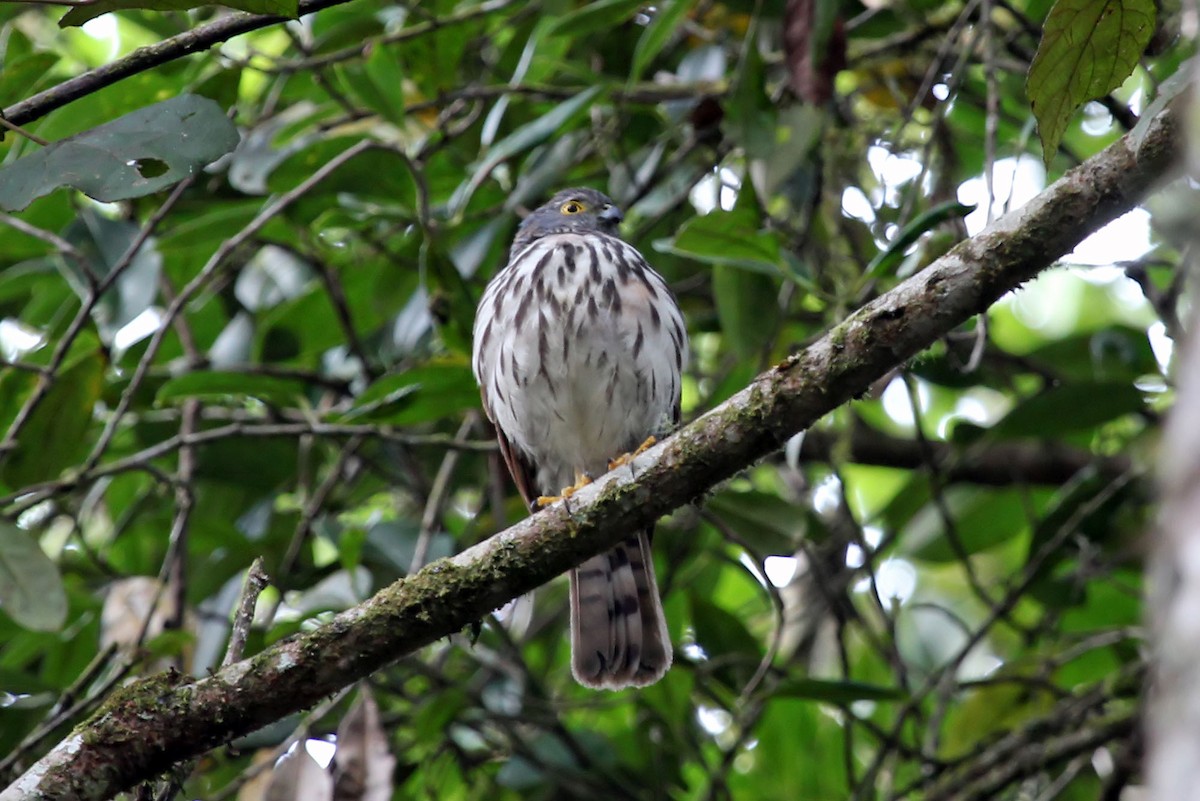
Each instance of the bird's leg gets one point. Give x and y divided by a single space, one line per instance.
626 458
581 481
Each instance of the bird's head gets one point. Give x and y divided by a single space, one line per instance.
571 211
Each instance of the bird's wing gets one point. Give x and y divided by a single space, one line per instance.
521 469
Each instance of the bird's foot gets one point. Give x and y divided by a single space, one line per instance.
581 481
626 458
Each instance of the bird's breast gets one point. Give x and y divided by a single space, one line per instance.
584 346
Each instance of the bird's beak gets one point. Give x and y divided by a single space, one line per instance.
611 214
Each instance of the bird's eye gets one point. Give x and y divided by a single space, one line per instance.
573 207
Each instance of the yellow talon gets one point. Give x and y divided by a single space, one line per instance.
626 458
581 481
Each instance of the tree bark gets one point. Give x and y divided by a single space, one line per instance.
1173 713
150 725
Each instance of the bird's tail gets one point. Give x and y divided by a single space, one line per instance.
618 631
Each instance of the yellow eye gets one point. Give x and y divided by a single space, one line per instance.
573 207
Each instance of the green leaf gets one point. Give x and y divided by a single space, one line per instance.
430 392
1116 353
654 38
138 154
21 75
1070 407
747 307
387 74
541 128
768 523
724 637
730 238
837 692
103 243
31 589
790 727
886 262
54 434
273 389
82 13
1088 48
983 519
594 17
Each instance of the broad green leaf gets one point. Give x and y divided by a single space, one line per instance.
378 82
768 523
103 243
982 519
1116 353
381 175
82 13
31 589
53 436
748 308
18 78
551 757
387 74
907 502
1070 407
592 17
430 392
837 692
532 133
724 637
730 238
657 33
886 262
273 389
1088 48
249 463
992 710
788 728
138 154
542 127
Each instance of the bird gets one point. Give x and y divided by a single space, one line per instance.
579 349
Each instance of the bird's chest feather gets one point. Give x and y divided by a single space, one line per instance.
583 361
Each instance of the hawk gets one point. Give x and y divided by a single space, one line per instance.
579 347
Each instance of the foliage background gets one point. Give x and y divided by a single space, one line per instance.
936 593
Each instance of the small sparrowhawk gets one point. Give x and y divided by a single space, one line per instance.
579 348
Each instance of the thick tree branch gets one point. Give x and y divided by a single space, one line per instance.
150 725
1173 714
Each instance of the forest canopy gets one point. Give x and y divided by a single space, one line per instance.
241 248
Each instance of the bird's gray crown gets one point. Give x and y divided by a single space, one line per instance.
581 211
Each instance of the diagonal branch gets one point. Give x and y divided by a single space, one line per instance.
146 727
198 40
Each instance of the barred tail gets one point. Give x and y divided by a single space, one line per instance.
618 631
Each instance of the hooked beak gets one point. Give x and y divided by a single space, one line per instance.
611 214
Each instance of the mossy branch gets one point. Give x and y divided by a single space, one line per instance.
156 722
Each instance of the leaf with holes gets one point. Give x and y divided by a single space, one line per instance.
141 153
1088 48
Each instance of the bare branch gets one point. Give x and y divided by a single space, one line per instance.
193 41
